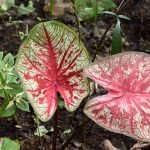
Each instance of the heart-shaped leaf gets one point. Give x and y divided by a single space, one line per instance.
126 107
50 62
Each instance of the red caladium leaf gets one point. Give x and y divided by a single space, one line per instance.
126 107
51 61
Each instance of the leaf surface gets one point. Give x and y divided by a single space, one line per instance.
22 104
52 3
7 109
7 144
126 107
116 39
50 62
95 8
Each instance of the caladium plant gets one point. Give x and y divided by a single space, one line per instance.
50 61
126 107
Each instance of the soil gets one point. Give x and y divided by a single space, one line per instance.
136 35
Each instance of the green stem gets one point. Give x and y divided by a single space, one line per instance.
72 3
6 96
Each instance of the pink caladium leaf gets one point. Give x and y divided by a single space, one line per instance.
50 62
126 107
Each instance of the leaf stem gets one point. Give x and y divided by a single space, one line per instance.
40 140
55 130
102 40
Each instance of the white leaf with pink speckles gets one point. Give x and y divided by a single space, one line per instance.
126 107
51 61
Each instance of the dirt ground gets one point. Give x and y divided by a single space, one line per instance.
136 35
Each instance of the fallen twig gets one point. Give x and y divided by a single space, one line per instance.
108 145
140 145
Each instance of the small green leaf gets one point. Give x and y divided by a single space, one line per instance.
116 39
1 92
13 88
61 104
2 80
85 14
1 56
52 2
22 10
22 35
40 131
22 104
22 95
7 109
1 65
108 12
95 9
80 3
124 17
11 77
100 9
7 4
8 144
9 60
107 4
